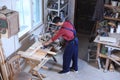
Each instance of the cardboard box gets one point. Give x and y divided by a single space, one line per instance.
12 19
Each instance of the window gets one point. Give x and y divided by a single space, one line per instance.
37 12
30 14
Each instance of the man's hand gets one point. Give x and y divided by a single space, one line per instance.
47 43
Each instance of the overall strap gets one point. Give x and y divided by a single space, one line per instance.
70 23
73 30
70 30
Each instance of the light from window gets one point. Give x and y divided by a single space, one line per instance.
24 9
30 14
36 12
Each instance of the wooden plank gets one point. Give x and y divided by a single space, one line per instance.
117 44
32 57
114 60
102 55
110 6
39 54
48 51
35 45
3 65
22 76
110 18
115 57
41 64
1 77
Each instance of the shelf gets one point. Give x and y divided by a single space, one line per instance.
50 23
60 10
102 55
115 60
114 19
54 23
113 57
115 9
63 6
52 9
110 11
110 6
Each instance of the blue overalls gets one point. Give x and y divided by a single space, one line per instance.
71 53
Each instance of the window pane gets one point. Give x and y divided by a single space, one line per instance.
30 14
37 6
23 7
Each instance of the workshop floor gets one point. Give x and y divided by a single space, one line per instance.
86 71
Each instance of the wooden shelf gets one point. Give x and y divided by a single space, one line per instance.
61 11
113 57
109 18
110 6
114 8
61 8
50 9
102 55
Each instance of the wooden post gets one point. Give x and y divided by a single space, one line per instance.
3 63
98 53
1 77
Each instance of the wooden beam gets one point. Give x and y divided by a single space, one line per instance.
3 65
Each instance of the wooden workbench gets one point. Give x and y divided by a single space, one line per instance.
36 57
111 46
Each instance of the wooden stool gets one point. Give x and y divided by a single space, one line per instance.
23 76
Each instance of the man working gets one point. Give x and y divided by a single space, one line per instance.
68 33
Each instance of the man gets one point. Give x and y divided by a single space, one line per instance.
68 33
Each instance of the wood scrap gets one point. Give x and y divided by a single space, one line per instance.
111 68
36 68
23 76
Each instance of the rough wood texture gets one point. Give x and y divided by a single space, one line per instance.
14 66
3 65
110 46
1 77
23 76
36 57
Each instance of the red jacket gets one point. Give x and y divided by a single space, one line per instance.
66 34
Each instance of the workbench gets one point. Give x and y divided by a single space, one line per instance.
36 56
111 46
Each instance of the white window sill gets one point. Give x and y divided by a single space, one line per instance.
21 33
